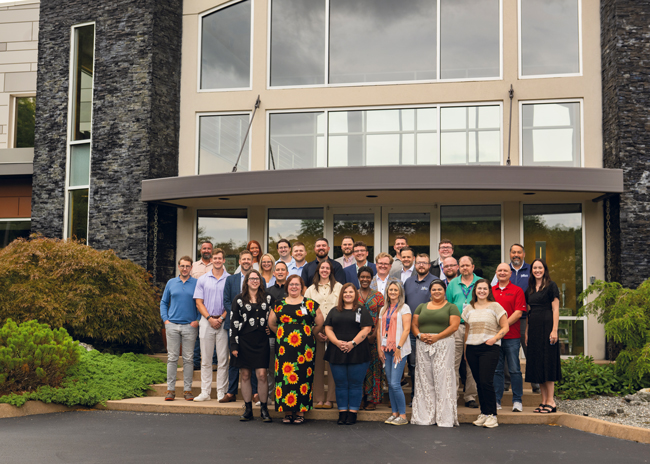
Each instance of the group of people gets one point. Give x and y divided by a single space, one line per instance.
278 325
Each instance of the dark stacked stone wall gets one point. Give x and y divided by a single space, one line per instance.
136 108
625 40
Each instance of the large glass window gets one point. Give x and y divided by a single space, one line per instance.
297 42
297 224
226 47
12 229
554 233
475 231
220 139
550 37
365 41
416 227
469 39
297 140
361 226
25 122
82 95
226 229
551 134
470 135
384 41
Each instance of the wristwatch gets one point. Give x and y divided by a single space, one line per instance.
210 317
399 347
419 335
354 343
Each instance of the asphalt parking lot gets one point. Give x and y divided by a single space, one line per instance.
111 437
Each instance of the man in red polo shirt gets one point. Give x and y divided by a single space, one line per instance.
512 298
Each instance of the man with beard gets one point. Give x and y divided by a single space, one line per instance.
347 247
361 258
445 250
199 268
233 287
450 266
407 256
298 263
322 249
400 242
520 274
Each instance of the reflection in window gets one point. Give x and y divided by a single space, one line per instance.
297 42
416 227
475 231
384 41
470 135
226 47
79 165
82 92
25 122
78 214
297 140
220 139
469 39
226 229
550 42
13 229
551 134
359 226
299 224
383 137
554 234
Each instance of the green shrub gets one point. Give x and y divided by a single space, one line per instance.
32 355
64 283
98 378
626 315
582 378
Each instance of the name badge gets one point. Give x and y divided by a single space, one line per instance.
384 341
357 318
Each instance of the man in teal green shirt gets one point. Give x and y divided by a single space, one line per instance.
459 292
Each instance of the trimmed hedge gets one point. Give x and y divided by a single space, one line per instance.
64 283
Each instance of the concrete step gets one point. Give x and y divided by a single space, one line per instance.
158 405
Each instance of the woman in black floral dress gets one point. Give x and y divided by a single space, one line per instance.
294 320
249 342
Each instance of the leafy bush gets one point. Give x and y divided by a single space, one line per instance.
582 378
626 315
98 378
94 294
32 354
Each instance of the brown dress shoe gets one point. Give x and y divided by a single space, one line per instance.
228 398
170 396
371 406
188 396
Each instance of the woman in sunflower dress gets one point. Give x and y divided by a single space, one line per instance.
375 379
294 320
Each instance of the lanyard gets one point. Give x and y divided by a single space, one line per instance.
466 293
389 316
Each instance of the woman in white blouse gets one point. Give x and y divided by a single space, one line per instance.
325 291
487 324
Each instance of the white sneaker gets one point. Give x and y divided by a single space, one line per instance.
517 407
499 406
399 420
390 419
203 397
480 420
491 422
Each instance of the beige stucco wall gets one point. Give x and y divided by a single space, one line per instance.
18 59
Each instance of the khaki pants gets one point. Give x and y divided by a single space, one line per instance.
470 384
318 387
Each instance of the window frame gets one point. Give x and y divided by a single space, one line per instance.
580 102
200 47
195 225
70 124
12 124
438 106
547 76
365 84
197 138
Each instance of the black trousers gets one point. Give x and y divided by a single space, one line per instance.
482 360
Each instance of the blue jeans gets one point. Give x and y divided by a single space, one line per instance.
394 378
349 384
509 353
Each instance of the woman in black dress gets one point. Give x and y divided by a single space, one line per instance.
347 327
543 359
249 342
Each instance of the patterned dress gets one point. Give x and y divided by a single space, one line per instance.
294 355
375 377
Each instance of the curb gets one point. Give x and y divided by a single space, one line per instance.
607 429
31 408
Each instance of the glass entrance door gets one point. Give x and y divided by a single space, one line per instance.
362 224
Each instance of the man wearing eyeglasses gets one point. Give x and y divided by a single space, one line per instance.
178 312
445 250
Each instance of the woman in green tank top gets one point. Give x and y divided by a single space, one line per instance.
434 324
